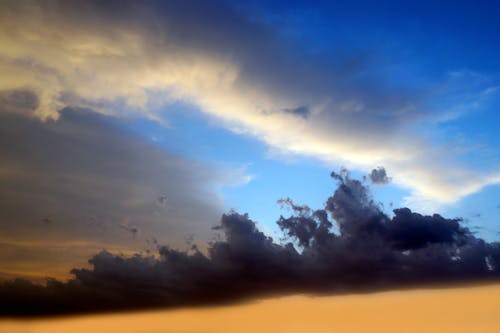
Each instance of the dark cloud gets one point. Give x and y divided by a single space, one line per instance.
132 229
379 176
370 251
162 200
20 101
301 111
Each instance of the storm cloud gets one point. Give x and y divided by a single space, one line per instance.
370 251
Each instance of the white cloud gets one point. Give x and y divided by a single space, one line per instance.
122 60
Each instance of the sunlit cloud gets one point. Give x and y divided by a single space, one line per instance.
126 59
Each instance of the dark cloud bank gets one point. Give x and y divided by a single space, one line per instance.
370 251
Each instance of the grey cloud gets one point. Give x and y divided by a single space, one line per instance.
370 252
132 229
19 101
301 111
81 177
379 176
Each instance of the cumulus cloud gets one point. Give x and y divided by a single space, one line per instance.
370 251
121 57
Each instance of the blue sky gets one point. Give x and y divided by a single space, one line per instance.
306 181
445 51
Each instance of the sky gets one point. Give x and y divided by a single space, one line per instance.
125 126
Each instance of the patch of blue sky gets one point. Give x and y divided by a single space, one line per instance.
480 212
273 176
443 51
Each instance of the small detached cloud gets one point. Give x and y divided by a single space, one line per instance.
370 251
379 176
132 229
301 111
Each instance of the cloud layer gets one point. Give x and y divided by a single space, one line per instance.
71 187
122 57
370 251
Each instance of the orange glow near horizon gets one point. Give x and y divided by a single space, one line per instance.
458 310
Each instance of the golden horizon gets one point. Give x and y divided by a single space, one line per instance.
460 310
